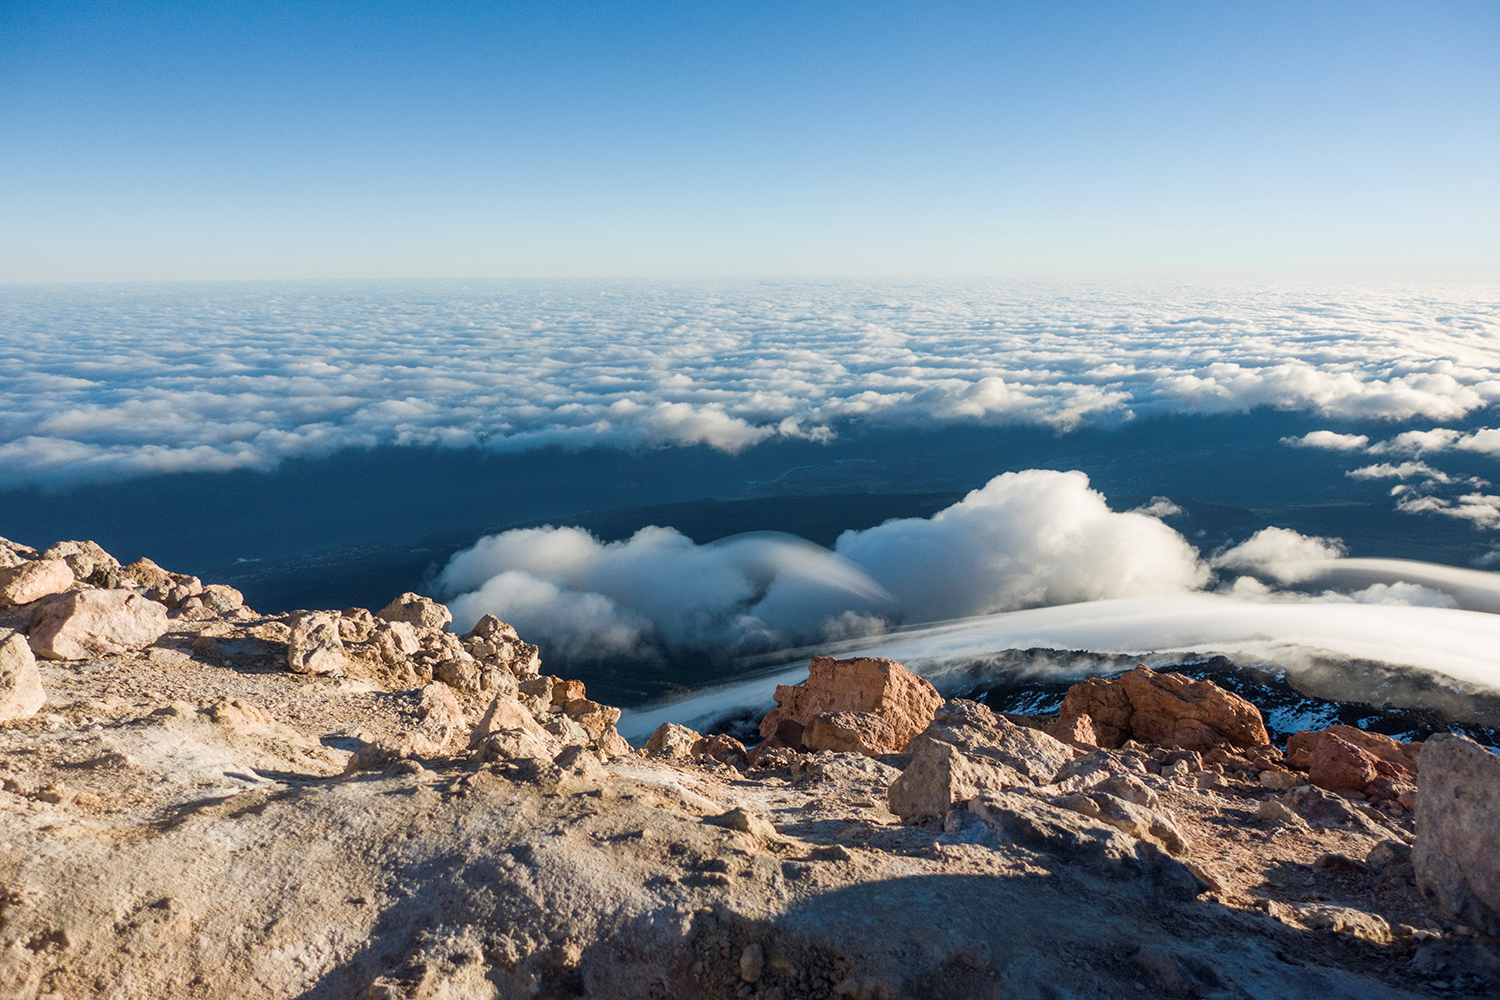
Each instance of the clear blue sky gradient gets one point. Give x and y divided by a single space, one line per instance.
265 140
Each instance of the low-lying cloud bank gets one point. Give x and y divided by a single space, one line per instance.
107 382
1025 540
1295 636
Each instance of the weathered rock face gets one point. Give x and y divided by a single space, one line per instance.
940 777
171 589
885 688
21 693
1165 709
414 609
315 646
1458 830
14 553
221 598
980 733
88 561
850 732
92 623
508 729
33 580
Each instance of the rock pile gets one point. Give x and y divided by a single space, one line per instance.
197 800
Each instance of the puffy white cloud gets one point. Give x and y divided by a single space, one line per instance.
659 590
1403 471
1159 507
1025 539
1328 441
1282 554
111 382
1480 509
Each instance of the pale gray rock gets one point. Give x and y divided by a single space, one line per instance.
1138 821
33 580
980 733
315 646
21 694
672 740
1458 830
91 623
1073 836
415 609
940 777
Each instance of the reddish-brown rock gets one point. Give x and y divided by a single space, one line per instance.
91 623
880 687
850 732
1165 709
1346 757
1402 757
1076 731
1337 764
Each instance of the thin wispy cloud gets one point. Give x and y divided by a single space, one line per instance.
113 381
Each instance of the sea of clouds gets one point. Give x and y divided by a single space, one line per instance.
1026 540
106 382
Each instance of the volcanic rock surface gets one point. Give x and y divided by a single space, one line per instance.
431 816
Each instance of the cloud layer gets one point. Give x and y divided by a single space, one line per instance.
109 381
1025 540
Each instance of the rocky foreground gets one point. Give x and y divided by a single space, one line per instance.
200 801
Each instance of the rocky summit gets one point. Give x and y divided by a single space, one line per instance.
200 801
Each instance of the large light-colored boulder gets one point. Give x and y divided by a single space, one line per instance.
1458 831
415 609
21 694
1168 710
315 646
88 561
33 580
862 684
986 736
941 777
86 624
672 740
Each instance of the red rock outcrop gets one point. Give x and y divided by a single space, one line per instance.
1345 757
885 688
1168 710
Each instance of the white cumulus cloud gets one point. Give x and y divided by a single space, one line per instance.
1025 539
1328 441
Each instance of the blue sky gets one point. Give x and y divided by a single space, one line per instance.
166 141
